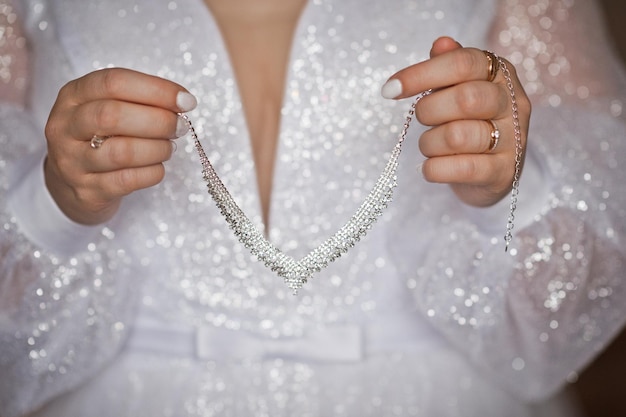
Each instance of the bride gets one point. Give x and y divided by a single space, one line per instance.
124 290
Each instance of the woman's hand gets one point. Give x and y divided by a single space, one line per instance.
136 114
459 110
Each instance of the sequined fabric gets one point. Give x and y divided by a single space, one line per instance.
451 325
13 59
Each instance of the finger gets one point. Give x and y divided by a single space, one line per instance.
459 137
442 45
116 184
128 85
450 68
118 153
467 169
470 100
478 180
119 118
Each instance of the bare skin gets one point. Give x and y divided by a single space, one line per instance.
139 111
258 37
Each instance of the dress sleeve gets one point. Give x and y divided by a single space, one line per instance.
64 289
535 316
13 57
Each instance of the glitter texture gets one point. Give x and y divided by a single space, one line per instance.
13 56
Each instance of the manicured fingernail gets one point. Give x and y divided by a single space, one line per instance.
174 146
186 101
391 89
182 127
419 169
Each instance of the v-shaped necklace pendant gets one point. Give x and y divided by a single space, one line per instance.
296 273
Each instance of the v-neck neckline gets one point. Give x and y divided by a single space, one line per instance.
294 52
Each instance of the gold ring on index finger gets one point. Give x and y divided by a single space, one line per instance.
492 69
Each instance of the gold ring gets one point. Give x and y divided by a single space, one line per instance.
494 64
97 141
494 136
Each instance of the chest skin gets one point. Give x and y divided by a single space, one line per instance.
258 37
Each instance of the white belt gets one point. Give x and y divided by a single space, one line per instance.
332 343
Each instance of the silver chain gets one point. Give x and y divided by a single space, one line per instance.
519 153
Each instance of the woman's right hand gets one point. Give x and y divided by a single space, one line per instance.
137 113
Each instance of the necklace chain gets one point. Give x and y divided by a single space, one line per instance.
519 154
296 273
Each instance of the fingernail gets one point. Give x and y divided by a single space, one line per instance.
391 89
186 101
182 127
419 169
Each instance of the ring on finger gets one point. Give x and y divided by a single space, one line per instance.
492 69
97 141
494 136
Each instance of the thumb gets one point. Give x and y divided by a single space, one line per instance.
442 45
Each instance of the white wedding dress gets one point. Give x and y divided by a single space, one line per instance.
162 312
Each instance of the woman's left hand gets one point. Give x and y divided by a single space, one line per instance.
464 103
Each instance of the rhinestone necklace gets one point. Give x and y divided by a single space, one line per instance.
296 273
